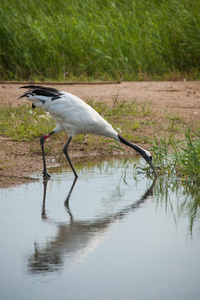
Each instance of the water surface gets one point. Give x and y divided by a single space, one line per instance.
112 234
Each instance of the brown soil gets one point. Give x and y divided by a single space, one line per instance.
176 98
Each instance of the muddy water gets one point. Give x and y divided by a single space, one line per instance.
112 234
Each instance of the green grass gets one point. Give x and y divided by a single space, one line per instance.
92 39
178 158
22 123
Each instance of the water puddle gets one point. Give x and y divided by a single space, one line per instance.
112 234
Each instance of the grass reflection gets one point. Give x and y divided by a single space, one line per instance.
187 195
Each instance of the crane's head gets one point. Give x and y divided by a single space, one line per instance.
149 159
144 153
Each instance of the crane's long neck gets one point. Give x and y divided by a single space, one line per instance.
144 153
140 150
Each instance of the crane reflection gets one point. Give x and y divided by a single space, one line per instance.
76 238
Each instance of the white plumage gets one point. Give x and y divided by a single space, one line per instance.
76 117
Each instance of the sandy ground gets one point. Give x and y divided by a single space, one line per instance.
177 98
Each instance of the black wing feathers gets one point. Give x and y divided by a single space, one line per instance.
41 91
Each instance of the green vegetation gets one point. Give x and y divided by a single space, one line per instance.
22 124
179 158
99 39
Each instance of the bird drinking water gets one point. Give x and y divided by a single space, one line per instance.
76 117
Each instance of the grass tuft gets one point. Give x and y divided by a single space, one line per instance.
180 158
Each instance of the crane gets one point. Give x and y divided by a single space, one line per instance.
76 117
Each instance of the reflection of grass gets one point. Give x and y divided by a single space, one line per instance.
187 197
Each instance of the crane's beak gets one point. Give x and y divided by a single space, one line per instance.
153 168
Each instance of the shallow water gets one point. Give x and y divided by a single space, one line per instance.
111 235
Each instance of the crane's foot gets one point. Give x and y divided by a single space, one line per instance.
46 176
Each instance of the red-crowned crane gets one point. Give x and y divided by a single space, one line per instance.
76 117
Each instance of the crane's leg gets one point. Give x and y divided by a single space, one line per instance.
65 150
46 176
